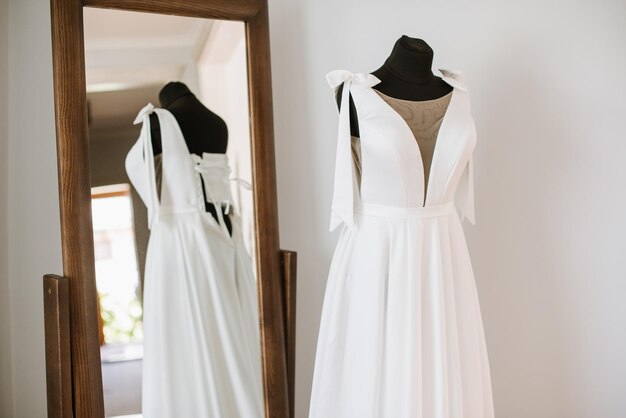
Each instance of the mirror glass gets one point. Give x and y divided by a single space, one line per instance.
173 220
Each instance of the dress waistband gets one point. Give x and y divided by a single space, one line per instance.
384 211
169 210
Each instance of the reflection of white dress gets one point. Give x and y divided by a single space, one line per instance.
201 328
401 333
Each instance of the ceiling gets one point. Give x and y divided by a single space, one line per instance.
130 49
129 56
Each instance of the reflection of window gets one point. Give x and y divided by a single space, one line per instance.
117 275
102 245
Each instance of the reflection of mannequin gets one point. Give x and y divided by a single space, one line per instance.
201 322
203 130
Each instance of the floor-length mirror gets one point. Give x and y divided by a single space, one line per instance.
173 221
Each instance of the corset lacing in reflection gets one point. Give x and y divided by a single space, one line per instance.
215 172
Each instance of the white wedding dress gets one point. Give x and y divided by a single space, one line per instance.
201 326
401 333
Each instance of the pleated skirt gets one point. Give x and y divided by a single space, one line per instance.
201 327
401 333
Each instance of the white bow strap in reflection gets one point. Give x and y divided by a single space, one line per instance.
241 182
345 189
144 112
152 202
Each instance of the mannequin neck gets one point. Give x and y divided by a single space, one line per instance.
172 92
411 61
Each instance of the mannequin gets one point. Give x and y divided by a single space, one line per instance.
406 74
203 130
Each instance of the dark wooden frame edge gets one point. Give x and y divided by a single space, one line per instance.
57 331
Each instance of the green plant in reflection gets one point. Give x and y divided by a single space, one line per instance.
121 321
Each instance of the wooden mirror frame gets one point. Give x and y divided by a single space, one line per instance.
81 380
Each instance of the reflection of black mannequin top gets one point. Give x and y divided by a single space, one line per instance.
406 75
203 130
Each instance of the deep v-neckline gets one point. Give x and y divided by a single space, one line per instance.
426 184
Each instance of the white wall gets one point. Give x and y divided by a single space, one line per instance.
549 97
6 394
33 232
548 89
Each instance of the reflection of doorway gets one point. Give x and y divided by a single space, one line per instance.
117 275
117 282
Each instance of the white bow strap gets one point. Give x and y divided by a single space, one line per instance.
454 78
148 159
465 193
145 111
345 189
336 77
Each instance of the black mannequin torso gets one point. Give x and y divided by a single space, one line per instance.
406 74
203 130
